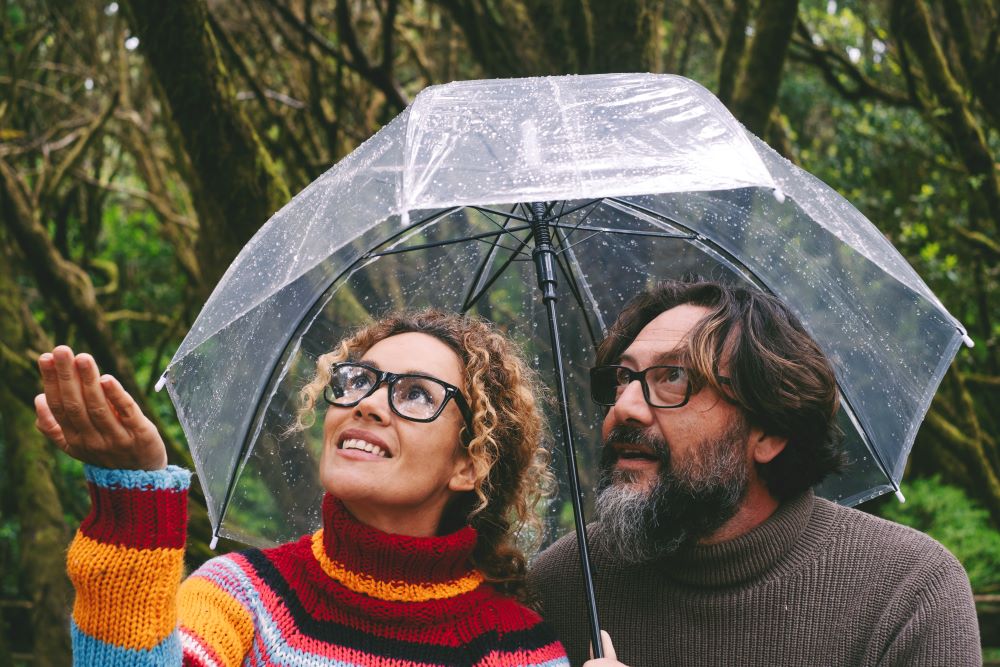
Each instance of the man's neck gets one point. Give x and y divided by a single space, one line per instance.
757 507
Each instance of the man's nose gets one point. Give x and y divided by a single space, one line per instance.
631 406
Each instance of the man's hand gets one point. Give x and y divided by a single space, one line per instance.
92 418
610 659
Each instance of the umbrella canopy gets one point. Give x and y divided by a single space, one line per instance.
643 177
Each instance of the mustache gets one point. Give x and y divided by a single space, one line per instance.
633 435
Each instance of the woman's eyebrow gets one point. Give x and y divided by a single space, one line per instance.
411 371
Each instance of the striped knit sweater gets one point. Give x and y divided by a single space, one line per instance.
347 595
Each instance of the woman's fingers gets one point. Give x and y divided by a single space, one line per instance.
91 417
148 451
73 415
46 423
50 384
128 411
99 411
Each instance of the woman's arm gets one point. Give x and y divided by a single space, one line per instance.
126 563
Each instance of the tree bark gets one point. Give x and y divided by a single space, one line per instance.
944 100
729 60
43 537
543 37
757 89
236 186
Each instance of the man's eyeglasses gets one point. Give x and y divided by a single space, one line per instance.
662 386
413 396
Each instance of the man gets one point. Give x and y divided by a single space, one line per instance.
709 546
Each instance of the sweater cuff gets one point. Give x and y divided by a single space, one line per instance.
137 508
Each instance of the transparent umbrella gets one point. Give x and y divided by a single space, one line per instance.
465 200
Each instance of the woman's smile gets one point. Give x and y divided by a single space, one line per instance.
361 445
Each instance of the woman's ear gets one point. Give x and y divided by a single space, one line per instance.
764 446
464 476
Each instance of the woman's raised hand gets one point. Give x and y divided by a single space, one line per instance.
92 418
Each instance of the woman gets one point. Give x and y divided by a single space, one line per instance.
431 462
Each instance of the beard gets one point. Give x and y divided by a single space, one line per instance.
688 501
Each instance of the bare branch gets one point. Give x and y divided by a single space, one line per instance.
68 285
136 316
980 241
377 75
832 64
76 153
711 21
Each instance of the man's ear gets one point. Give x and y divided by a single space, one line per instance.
464 476
764 446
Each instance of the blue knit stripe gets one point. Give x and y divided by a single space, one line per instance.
91 652
171 478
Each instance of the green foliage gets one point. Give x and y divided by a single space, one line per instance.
948 515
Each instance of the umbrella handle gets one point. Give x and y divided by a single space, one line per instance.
543 254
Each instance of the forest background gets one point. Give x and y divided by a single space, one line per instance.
143 142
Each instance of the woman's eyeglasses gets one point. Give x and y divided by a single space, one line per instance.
662 386
413 396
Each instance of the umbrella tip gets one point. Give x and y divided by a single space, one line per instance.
159 383
900 496
967 340
779 195
215 540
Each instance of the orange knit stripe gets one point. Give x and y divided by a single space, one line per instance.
216 619
395 591
124 596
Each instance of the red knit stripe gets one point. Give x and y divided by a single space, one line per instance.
316 591
209 657
139 518
280 616
524 657
337 604
414 560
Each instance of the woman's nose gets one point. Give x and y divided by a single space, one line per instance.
375 405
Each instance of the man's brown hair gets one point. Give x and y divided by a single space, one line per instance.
778 374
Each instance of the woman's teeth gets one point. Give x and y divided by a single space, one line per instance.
363 446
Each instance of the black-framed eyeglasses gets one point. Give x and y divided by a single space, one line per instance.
413 396
662 386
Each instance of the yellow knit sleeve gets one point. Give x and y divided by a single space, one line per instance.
213 623
124 596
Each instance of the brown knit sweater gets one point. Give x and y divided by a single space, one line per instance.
816 584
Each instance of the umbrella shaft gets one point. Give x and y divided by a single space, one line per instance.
543 255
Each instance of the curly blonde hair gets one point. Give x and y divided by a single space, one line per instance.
506 446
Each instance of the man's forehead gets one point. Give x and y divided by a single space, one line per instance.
667 331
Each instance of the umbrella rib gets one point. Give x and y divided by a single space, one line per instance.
487 260
578 225
506 215
627 232
438 244
573 245
517 250
473 299
574 287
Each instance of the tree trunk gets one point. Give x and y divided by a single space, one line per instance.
236 185
757 91
43 538
541 37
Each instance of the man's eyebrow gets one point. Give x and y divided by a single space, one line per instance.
671 358
668 358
